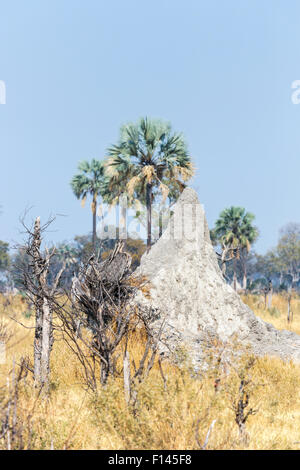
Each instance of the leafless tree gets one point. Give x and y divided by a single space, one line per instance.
99 314
265 292
240 401
99 318
35 276
289 295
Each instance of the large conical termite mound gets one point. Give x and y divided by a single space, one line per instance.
189 293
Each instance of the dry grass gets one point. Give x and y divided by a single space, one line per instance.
167 418
277 315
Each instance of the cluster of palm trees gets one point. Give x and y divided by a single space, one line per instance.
149 162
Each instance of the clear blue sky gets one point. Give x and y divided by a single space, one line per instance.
220 71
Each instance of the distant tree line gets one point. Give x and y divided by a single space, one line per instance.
241 265
72 255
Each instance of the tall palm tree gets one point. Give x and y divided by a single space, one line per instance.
115 188
235 232
147 157
90 181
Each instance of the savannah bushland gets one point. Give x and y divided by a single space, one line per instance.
176 408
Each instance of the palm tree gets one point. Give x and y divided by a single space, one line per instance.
235 232
147 158
115 188
161 216
90 181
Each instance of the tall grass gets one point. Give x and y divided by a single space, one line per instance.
172 415
277 314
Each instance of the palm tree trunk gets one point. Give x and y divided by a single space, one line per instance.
149 214
94 210
234 274
223 267
160 223
123 221
244 258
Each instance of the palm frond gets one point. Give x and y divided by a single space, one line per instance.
132 183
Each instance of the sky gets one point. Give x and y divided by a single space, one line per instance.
220 71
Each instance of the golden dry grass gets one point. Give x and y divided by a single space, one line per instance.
167 418
277 315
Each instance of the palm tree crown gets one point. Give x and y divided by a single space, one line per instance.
90 181
148 160
234 227
235 231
